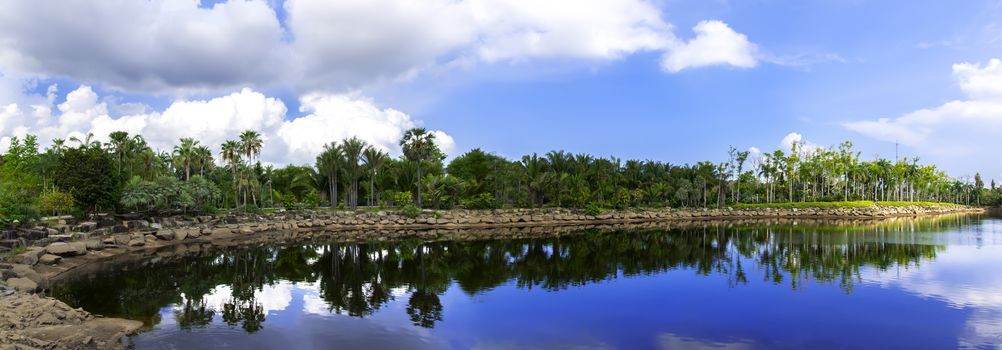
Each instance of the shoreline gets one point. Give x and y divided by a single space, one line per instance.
79 256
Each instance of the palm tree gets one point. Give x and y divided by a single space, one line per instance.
373 159
202 157
87 141
120 145
418 145
328 163
353 149
251 144
184 155
231 154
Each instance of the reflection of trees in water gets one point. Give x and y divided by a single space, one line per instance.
359 279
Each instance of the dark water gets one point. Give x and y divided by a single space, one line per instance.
901 285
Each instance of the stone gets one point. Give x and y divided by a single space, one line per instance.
119 229
221 231
87 226
22 284
121 239
181 234
137 242
50 259
94 244
66 249
29 257
165 234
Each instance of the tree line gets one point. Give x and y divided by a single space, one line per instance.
82 175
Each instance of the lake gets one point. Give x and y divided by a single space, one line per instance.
905 284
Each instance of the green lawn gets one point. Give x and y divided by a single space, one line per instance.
849 204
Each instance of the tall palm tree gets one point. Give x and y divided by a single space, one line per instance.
373 159
418 145
328 163
87 141
184 155
353 149
121 146
251 144
231 154
202 157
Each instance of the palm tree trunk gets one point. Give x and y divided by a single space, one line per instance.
419 183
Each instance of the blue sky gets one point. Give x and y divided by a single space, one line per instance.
585 76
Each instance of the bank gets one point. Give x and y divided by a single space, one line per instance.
66 248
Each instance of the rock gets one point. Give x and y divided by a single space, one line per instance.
25 271
137 242
22 284
165 234
94 244
30 257
87 226
50 259
119 229
181 234
66 249
221 231
121 239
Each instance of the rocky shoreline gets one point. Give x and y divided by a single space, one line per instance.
60 251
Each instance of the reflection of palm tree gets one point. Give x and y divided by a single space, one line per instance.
193 314
424 308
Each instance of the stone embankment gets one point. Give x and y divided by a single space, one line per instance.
30 321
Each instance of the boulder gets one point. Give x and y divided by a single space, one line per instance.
22 284
137 242
29 257
165 234
181 234
119 229
25 271
94 244
50 259
87 226
66 249
121 239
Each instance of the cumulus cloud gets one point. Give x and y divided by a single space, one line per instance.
287 139
954 129
144 45
715 44
178 46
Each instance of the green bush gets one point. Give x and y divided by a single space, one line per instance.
311 200
480 201
55 202
410 210
403 198
593 209
288 202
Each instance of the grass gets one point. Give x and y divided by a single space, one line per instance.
849 204
13 252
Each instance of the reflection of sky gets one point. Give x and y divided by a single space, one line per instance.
965 277
954 300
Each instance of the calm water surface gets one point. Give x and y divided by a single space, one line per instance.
902 285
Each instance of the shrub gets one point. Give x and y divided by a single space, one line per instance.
480 201
410 210
55 202
311 200
593 209
288 202
403 198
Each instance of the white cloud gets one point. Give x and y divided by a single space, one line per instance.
287 139
144 45
955 131
715 44
177 46
337 117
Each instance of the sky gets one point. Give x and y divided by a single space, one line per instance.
671 80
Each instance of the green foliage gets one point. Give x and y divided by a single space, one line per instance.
593 209
410 210
803 205
288 202
311 200
480 201
168 192
87 174
55 202
403 198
